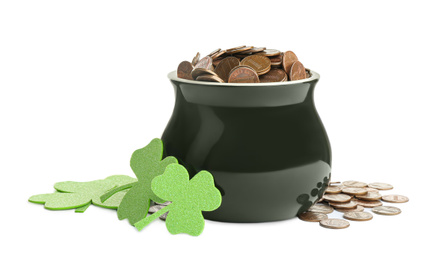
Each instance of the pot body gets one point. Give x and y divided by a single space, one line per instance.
264 144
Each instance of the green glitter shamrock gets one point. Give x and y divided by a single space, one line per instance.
80 195
146 163
189 198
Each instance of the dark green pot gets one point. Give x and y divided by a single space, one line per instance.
264 144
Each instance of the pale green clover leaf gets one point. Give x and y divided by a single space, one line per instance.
189 198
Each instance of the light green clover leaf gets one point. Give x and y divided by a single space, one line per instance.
189 198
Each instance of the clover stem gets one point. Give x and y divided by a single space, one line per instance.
146 221
111 192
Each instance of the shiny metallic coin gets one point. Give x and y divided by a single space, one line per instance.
386 210
205 63
210 78
218 54
235 48
200 71
358 216
253 50
276 60
334 223
274 75
337 197
269 52
354 191
357 209
297 71
289 58
225 67
344 205
370 189
243 74
368 203
246 48
196 59
214 52
260 64
355 184
369 196
395 198
380 186
321 208
334 183
312 216
333 190
184 70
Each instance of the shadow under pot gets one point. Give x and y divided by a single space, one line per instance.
264 144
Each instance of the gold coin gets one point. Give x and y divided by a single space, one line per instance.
287 61
196 59
344 205
359 216
200 71
355 184
386 210
312 216
368 203
337 197
297 71
205 63
243 74
380 186
274 75
210 78
269 52
184 70
260 64
358 208
354 191
321 208
369 196
334 223
395 198
225 66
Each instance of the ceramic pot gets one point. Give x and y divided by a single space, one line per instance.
264 144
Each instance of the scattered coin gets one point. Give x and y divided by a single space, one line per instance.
369 196
370 189
368 203
235 48
354 191
355 184
184 70
344 205
334 223
218 54
243 74
334 183
201 71
274 75
260 64
359 216
241 49
210 78
253 50
312 216
358 208
380 186
205 63
321 208
269 52
225 66
395 198
386 210
337 197
297 71
289 58
214 52
276 61
333 189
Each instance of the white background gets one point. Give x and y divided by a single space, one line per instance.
83 85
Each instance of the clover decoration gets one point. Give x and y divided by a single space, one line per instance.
189 198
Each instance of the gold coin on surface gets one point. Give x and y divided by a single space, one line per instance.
274 75
380 186
312 216
368 203
196 59
355 184
243 74
260 64
337 197
225 66
357 209
297 71
386 210
358 216
210 78
321 208
369 196
344 205
354 191
395 198
334 223
184 70
200 71
287 61
205 63
333 189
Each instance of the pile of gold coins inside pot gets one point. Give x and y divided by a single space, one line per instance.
244 64
350 198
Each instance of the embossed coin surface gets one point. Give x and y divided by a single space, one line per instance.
274 75
205 63
321 208
357 209
184 70
369 196
210 78
260 64
386 210
333 189
337 197
287 61
312 216
395 198
225 66
334 223
368 203
355 184
380 186
359 216
297 71
344 205
354 191
243 74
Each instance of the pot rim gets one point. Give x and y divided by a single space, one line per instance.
314 76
